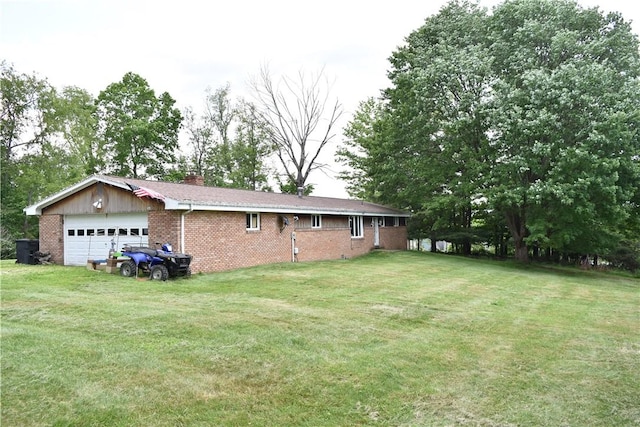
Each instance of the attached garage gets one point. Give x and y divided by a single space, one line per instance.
92 236
89 219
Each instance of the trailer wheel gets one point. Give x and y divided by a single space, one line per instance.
128 268
159 272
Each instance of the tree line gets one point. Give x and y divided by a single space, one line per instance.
52 138
515 130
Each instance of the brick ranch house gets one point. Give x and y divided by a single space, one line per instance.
222 228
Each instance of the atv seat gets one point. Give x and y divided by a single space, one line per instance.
141 249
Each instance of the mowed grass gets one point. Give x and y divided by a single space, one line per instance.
388 339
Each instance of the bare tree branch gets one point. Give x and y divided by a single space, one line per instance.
300 119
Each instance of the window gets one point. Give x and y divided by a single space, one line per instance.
122 231
355 224
396 221
135 232
81 232
316 221
253 221
111 232
71 232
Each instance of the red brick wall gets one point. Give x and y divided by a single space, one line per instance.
393 238
322 244
220 241
315 245
164 226
52 237
336 243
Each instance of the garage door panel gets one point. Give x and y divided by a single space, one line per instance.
93 236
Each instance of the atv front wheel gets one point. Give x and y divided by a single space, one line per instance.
128 268
159 272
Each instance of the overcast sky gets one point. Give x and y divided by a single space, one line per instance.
184 47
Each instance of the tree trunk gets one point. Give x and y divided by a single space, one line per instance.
522 251
501 243
466 247
518 229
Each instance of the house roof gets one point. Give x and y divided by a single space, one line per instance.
178 196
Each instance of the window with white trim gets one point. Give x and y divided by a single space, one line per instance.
396 221
253 221
355 224
316 221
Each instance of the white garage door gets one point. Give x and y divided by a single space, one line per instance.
92 236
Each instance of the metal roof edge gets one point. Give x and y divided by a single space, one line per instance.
171 204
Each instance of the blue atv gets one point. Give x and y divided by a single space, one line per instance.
159 264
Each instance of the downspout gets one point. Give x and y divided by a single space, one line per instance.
182 227
293 246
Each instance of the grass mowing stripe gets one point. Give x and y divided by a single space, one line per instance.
396 338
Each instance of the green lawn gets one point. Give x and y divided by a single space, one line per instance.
389 339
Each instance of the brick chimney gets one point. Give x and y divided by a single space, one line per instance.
193 179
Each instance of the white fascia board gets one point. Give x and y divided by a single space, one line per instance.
171 204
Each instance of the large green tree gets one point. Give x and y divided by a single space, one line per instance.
564 120
364 153
250 150
419 145
228 141
46 137
138 130
220 113
78 133
448 132
530 112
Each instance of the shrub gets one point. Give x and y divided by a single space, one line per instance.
7 244
626 256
